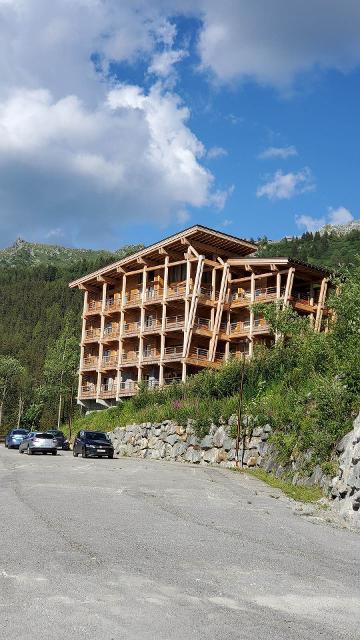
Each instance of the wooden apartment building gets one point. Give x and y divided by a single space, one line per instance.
182 304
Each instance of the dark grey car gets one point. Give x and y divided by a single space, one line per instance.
36 442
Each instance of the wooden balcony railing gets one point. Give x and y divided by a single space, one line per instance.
128 387
152 325
259 324
111 332
150 354
88 391
109 361
130 356
92 334
202 323
168 381
131 327
112 304
90 362
173 353
108 390
94 305
174 322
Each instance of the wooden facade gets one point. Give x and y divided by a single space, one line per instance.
180 305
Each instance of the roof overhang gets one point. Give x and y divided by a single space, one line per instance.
221 243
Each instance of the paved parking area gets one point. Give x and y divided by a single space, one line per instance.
137 550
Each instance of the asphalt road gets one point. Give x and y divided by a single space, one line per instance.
113 549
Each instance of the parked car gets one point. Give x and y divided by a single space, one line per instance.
93 444
15 437
62 441
36 442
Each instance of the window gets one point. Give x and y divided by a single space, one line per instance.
177 273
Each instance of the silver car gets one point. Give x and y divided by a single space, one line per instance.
36 442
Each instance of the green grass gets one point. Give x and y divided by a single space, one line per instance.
296 492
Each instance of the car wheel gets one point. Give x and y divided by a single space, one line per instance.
83 452
21 450
54 453
110 456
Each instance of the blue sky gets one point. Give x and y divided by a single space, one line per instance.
125 122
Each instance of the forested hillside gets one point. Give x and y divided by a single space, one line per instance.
329 249
34 300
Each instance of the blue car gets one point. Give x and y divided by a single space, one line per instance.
15 437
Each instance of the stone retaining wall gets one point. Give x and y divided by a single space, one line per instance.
345 490
170 441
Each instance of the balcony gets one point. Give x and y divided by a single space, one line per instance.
176 291
199 353
169 381
111 333
153 295
109 362
88 391
130 357
244 297
174 322
112 304
202 324
92 334
108 390
94 306
128 388
89 362
152 325
259 325
132 298
131 328
173 353
150 354
206 295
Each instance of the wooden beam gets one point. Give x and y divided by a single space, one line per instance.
288 287
320 305
219 311
193 306
107 280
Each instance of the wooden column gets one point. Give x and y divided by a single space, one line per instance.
163 321
278 286
311 316
101 346
142 317
121 334
252 300
219 311
289 284
189 323
213 297
320 305
82 349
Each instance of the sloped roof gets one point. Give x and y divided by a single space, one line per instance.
223 243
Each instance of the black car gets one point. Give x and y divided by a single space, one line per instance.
95 444
62 441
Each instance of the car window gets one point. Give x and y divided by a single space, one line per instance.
96 435
19 432
44 436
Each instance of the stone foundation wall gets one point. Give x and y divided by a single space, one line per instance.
345 489
170 441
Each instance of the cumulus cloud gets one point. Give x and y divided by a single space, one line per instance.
278 152
80 152
283 186
273 42
310 223
341 215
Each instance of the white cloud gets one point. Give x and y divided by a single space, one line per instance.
183 216
273 42
311 224
163 62
226 222
216 152
341 215
278 152
283 186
